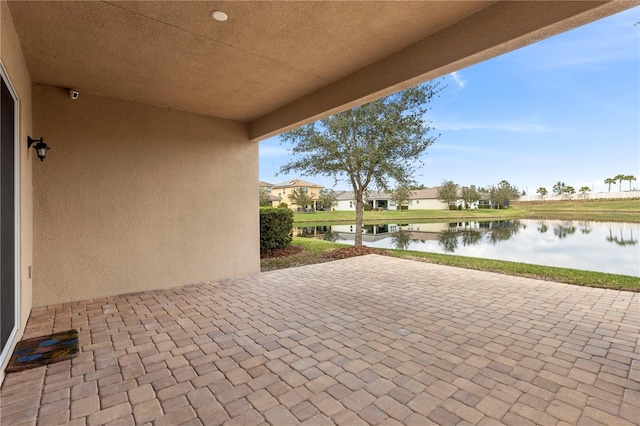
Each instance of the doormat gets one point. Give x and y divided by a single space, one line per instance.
39 351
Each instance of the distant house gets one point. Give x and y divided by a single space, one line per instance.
421 199
268 187
376 199
283 190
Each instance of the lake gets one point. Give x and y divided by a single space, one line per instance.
595 246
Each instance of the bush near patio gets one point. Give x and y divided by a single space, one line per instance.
276 228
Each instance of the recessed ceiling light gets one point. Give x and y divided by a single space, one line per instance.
219 15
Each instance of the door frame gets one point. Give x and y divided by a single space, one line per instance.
4 355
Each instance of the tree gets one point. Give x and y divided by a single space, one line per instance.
328 199
609 181
506 192
401 196
619 178
542 191
569 190
300 198
630 178
470 195
584 190
558 188
265 199
417 187
448 192
372 144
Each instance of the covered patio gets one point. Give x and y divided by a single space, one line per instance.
368 340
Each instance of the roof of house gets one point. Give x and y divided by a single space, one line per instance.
428 193
264 184
419 194
296 183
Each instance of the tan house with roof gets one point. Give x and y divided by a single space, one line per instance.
420 199
283 190
154 111
268 189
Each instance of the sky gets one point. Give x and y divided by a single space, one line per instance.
564 109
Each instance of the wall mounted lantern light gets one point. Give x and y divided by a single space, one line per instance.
40 147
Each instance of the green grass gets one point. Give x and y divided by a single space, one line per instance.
549 273
587 205
314 253
406 216
614 210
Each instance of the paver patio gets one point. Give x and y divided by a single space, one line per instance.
368 340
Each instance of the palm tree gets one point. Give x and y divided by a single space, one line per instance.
620 178
630 178
609 181
542 191
584 191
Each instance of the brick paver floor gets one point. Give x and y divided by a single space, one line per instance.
368 340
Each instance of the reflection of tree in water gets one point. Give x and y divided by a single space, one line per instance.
585 227
401 240
496 231
330 236
542 227
502 230
622 241
564 230
471 238
448 240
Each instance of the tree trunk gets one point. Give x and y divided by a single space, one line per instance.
359 217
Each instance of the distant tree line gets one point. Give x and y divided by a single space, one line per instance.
497 195
561 188
619 179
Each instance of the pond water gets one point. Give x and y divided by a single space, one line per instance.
595 246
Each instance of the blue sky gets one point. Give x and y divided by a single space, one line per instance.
566 108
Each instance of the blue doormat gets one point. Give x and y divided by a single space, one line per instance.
39 351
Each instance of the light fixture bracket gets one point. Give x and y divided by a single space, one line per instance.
40 147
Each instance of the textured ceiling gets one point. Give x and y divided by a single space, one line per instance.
273 64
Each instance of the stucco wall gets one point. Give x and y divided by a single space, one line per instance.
15 66
135 197
427 204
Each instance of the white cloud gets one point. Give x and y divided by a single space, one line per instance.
457 77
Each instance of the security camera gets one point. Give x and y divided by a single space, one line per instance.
74 94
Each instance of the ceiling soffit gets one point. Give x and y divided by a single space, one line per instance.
173 54
276 65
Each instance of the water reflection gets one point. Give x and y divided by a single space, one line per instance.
563 230
622 241
401 240
600 246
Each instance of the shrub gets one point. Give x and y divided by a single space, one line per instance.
367 207
276 228
283 205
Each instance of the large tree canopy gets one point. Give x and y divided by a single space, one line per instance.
372 145
448 192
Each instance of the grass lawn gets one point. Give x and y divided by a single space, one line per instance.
314 253
549 273
616 210
407 216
